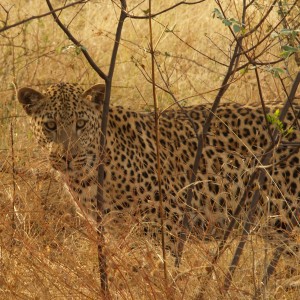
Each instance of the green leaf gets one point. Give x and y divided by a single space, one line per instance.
79 49
217 14
170 29
236 28
244 70
59 49
269 28
290 48
289 131
274 120
146 11
274 34
227 22
276 71
289 32
233 20
285 54
285 32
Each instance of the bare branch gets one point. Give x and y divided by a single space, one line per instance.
76 42
42 15
165 10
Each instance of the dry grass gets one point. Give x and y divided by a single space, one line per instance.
46 250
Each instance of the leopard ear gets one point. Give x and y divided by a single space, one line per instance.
95 94
29 98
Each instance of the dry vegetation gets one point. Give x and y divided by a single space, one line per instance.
46 250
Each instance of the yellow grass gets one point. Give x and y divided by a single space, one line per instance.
46 250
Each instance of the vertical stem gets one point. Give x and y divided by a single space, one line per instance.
105 112
269 271
13 223
156 116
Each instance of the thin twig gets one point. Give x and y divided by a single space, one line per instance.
165 10
12 144
263 103
262 20
193 48
270 270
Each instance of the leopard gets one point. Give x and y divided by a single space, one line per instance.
66 122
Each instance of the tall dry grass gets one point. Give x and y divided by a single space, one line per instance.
46 250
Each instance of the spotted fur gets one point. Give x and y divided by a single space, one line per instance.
66 122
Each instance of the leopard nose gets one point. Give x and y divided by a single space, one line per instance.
68 161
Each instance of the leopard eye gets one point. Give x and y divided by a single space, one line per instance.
50 125
80 124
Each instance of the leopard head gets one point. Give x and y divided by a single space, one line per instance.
66 123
